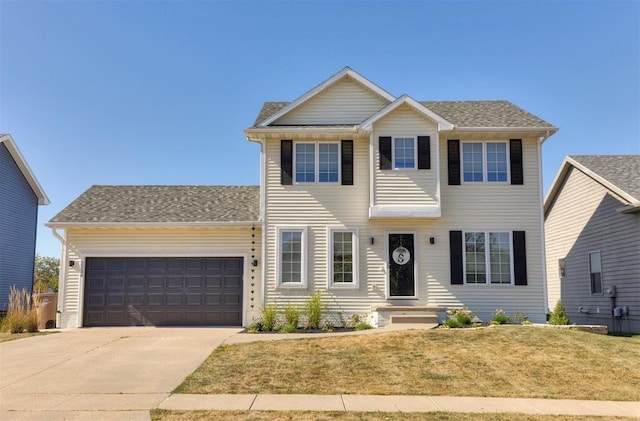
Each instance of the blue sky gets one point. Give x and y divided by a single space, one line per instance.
158 92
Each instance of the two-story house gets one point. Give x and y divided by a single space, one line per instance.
388 205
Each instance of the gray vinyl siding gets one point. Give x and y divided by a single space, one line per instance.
18 221
581 220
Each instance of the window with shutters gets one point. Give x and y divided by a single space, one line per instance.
317 162
404 153
488 258
485 162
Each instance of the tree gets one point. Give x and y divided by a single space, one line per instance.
46 273
559 316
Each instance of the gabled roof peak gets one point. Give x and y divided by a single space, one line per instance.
345 72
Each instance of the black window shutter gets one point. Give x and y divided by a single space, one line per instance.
286 162
515 154
384 144
455 253
453 157
424 152
347 162
519 258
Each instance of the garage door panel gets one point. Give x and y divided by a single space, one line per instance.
163 291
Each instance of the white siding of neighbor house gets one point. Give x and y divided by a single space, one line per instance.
405 187
119 242
465 207
345 102
583 219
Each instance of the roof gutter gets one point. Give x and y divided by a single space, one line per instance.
257 134
631 208
547 130
238 224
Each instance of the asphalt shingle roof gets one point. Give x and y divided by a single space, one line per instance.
164 204
461 113
623 171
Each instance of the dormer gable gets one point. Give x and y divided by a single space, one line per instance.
344 98
406 100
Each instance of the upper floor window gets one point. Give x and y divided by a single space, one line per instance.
404 152
488 257
317 162
485 161
595 272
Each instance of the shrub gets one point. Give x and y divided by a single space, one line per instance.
22 314
558 316
270 317
521 318
315 310
462 316
287 328
500 317
291 315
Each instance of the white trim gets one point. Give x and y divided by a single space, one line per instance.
399 211
7 140
547 130
246 274
303 256
543 249
485 175
487 257
355 253
324 85
316 155
406 99
416 261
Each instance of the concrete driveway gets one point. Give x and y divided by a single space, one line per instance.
105 369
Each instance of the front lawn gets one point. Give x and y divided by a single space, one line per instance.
504 361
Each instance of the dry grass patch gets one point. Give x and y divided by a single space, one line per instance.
163 415
6 336
505 361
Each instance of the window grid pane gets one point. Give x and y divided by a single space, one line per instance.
476 272
305 162
328 162
291 256
497 162
404 152
342 257
472 162
500 257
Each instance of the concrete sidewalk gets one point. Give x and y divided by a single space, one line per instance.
373 403
137 406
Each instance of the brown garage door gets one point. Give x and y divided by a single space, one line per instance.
163 291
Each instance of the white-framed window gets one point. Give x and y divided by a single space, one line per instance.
595 272
405 153
317 162
292 256
343 257
485 162
488 258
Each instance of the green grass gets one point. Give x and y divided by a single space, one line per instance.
163 415
502 361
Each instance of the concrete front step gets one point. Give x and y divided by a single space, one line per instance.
414 318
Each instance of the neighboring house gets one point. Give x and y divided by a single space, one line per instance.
20 196
389 206
592 229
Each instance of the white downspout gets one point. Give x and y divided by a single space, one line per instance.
541 213
62 276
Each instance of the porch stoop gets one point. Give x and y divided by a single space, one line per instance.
394 314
